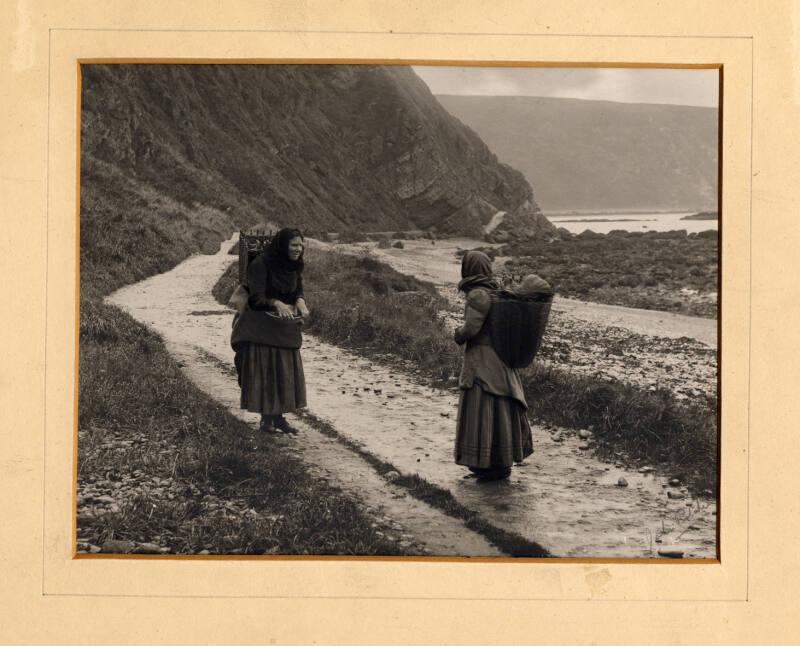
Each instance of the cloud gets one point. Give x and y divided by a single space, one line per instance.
631 85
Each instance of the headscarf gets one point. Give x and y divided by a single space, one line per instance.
476 271
277 254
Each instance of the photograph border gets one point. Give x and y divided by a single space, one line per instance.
48 540
409 62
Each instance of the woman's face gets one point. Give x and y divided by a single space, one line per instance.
295 247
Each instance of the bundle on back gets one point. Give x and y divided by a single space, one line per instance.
518 319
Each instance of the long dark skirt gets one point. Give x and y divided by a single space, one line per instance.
272 379
492 432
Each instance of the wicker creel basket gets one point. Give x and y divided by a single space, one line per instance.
251 243
517 326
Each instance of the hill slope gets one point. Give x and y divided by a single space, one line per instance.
328 146
587 155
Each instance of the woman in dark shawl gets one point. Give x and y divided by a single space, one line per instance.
492 430
270 367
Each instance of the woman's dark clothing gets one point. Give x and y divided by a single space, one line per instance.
269 277
271 377
492 430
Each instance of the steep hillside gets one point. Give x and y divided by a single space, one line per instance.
326 147
594 155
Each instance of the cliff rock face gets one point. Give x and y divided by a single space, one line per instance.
326 147
525 223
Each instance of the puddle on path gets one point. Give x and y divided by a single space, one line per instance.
561 497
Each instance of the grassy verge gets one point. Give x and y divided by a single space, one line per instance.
361 303
159 462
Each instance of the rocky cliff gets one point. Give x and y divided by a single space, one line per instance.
325 147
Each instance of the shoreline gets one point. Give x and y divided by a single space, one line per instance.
642 211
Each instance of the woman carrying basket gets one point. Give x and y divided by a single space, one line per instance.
266 335
492 430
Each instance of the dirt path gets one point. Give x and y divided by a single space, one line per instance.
647 348
196 331
561 498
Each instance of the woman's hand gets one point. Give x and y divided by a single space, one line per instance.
302 309
283 310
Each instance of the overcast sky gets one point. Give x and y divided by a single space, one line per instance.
630 85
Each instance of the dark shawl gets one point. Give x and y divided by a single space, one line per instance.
476 271
272 275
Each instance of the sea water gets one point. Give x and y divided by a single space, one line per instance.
605 222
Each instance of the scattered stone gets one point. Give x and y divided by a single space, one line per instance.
106 500
622 482
584 434
671 553
675 495
392 475
584 447
118 547
674 482
444 414
147 548
645 469
95 549
694 527
204 552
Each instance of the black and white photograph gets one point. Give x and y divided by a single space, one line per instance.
398 310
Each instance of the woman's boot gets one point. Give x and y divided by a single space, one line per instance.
268 424
282 425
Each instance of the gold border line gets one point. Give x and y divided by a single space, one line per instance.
719 310
372 558
554 560
388 61
77 313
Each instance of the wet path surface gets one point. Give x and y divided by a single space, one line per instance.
561 498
